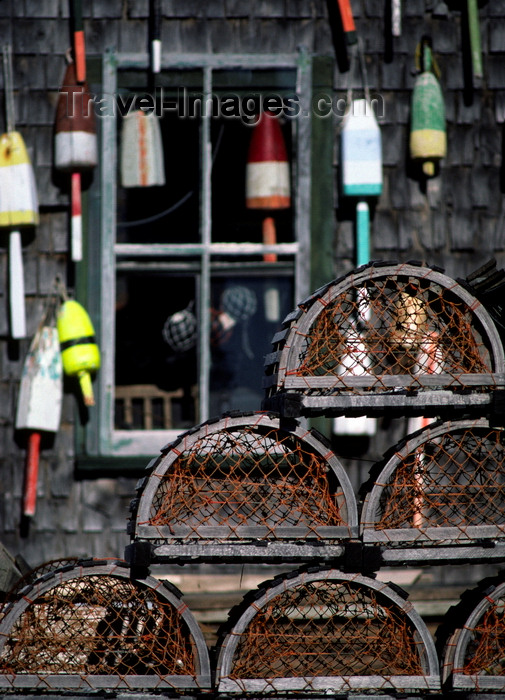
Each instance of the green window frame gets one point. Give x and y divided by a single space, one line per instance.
99 443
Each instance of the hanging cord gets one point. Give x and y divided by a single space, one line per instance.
424 58
357 57
52 303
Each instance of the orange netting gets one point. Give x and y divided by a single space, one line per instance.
327 628
394 327
455 480
248 478
96 625
485 654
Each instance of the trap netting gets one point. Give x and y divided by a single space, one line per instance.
320 630
242 478
473 657
90 626
31 576
443 483
382 329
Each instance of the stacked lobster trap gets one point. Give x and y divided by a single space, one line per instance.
261 487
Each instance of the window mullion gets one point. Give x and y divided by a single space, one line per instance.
206 238
303 175
108 286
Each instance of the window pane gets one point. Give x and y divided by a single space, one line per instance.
156 351
232 220
246 312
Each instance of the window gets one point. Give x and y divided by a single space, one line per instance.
184 295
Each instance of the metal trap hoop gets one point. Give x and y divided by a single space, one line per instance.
322 631
90 627
442 486
474 654
244 487
395 337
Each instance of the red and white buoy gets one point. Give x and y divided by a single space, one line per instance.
268 187
39 403
75 145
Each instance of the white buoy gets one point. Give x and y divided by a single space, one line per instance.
361 149
141 151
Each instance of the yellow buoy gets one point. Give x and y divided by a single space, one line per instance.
79 352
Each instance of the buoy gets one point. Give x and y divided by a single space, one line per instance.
410 321
267 172
238 304
428 141
268 187
79 42
361 167
39 403
79 351
141 151
18 201
155 21
356 361
347 20
75 145
396 17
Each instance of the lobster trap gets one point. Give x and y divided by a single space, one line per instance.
473 658
440 493
320 631
244 487
399 338
88 626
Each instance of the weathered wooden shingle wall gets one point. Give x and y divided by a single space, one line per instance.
458 224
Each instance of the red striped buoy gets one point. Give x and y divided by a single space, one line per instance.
268 187
75 145
267 174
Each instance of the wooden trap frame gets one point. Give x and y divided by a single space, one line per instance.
321 631
89 627
473 637
439 494
243 487
401 338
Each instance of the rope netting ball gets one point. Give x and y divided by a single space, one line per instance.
180 330
444 482
472 639
322 630
385 328
239 302
244 476
89 625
